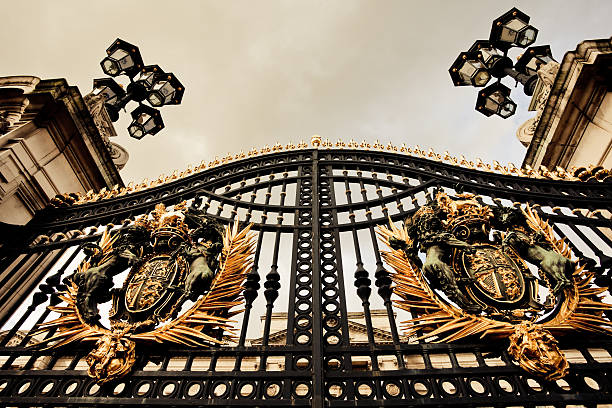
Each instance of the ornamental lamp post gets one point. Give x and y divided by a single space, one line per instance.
167 90
123 58
144 81
146 120
469 69
512 30
489 58
109 89
495 62
533 58
148 83
495 100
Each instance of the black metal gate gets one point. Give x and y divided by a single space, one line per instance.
316 213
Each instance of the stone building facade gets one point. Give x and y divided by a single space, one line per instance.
573 124
50 144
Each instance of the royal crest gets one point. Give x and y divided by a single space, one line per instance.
172 256
475 280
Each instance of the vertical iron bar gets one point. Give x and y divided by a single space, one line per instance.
337 247
317 331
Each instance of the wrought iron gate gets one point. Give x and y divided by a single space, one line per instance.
318 258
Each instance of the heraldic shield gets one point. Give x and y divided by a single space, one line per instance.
148 287
172 256
475 280
494 276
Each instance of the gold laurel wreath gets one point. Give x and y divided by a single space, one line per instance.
439 321
213 310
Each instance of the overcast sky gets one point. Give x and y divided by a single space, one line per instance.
257 72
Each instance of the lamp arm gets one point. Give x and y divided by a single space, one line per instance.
528 81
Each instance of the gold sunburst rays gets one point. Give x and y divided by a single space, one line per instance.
536 223
70 326
583 308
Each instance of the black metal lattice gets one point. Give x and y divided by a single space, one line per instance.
317 259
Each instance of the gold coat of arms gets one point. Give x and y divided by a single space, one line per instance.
492 272
172 256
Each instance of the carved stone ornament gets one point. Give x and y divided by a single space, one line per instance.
475 280
14 100
95 105
546 78
172 256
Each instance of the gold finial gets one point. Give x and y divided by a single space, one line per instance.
315 141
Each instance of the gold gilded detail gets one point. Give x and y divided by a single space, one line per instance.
145 309
591 173
112 358
537 351
492 293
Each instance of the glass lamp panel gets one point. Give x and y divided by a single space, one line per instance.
166 89
507 109
527 36
158 85
155 99
488 54
490 104
149 125
143 118
102 91
147 78
126 62
136 131
533 65
545 58
110 67
119 54
497 97
515 24
466 72
481 78
109 96
508 35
